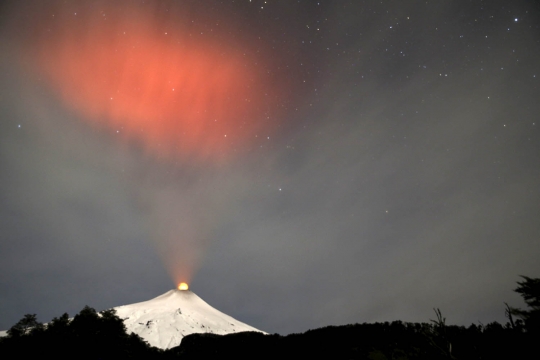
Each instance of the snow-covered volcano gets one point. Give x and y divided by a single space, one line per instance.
166 319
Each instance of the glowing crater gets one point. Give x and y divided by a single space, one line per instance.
183 286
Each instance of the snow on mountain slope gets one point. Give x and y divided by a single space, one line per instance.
166 319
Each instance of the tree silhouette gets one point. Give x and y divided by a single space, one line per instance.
529 289
24 326
59 325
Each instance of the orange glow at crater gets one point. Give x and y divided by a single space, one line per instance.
183 286
151 81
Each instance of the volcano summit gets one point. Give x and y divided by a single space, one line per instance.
166 319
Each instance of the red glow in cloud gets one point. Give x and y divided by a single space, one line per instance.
151 81
145 74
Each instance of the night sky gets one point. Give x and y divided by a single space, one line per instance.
299 163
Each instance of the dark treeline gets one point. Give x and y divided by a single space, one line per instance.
395 340
103 336
88 335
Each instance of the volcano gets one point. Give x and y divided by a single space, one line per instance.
166 319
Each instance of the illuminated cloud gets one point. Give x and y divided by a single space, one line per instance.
147 78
